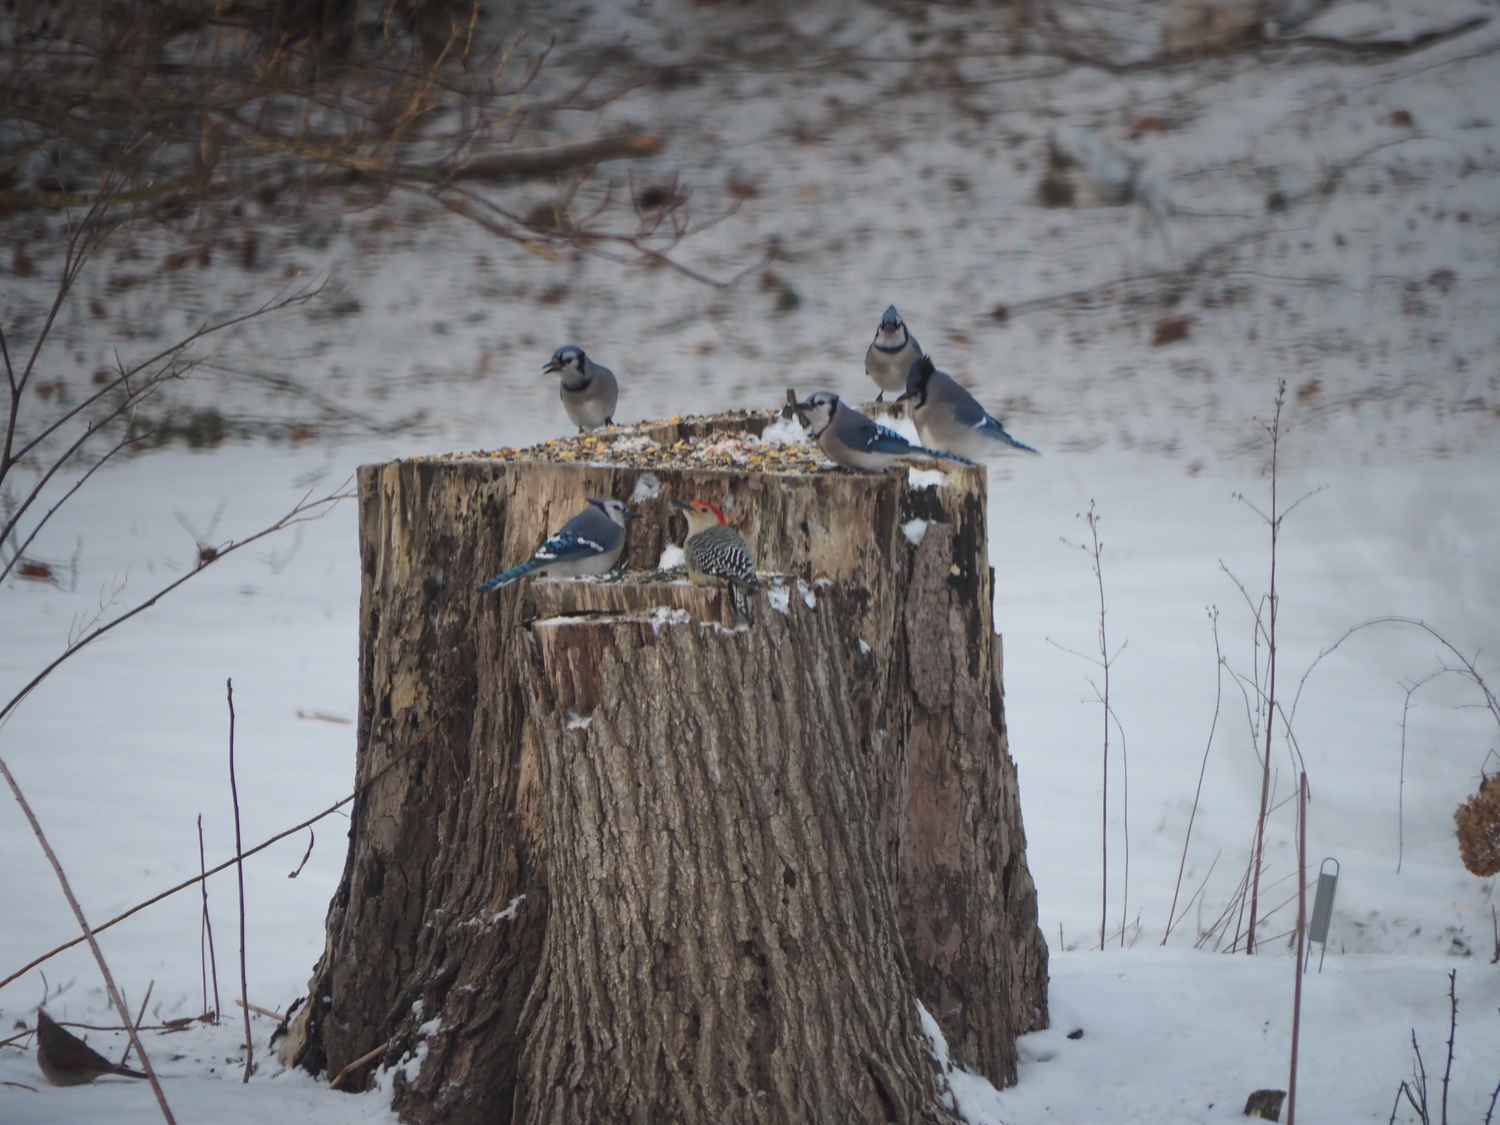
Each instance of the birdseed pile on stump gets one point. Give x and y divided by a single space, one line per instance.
626 862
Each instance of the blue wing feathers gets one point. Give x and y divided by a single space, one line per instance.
878 439
565 546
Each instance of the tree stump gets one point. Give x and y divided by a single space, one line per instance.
627 863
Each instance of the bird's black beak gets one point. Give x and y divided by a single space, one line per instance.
676 503
632 515
552 367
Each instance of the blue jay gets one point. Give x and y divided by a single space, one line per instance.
855 441
589 543
949 417
589 391
890 355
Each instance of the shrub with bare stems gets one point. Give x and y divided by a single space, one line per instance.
183 107
46 460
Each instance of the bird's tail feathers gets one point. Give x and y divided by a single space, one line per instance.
944 456
506 577
995 429
739 602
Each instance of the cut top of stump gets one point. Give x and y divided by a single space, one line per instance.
737 440
801 515
740 441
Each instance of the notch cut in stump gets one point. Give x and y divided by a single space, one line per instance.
638 866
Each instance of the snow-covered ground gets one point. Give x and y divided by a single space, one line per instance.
884 170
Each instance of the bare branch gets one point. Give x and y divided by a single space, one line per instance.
547 160
1187 836
305 511
5 531
88 935
239 856
167 356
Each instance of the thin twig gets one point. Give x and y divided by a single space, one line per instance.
304 511
1419 1076
1213 617
207 929
140 1015
1094 549
551 159
311 839
1291 1083
238 857
88 934
1258 853
234 794
1220 926
1489 1113
1469 669
1452 1034
1124 822
21 548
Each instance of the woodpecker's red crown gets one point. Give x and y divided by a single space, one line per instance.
705 506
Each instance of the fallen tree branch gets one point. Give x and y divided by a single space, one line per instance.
1369 48
258 1010
559 158
513 163
1385 48
368 1056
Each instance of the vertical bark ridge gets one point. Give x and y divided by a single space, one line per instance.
768 995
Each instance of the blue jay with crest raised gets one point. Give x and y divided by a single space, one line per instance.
950 418
890 355
589 391
589 543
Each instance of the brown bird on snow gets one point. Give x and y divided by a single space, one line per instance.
67 1060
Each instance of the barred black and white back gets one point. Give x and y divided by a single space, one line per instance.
717 556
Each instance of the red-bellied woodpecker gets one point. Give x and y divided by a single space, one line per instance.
717 556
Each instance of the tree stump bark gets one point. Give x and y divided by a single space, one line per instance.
629 864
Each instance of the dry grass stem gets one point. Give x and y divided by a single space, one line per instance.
239 866
140 1015
1187 836
88 935
238 857
208 959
